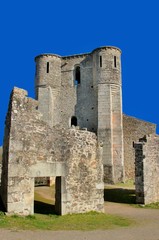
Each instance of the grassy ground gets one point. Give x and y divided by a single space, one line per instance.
88 221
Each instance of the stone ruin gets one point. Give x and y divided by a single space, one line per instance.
147 169
33 149
83 90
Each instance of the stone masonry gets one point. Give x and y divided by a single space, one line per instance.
85 87
48 137
34 149
147 169
133 130
88 88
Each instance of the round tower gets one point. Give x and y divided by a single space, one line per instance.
48 71
107 79
47 85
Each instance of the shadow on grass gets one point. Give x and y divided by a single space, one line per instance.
120 195
44 208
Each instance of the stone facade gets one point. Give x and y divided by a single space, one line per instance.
133 130
87 88
147 169
34 149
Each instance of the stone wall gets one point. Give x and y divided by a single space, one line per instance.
33 149
147 169
133 129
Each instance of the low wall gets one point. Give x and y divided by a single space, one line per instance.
133 130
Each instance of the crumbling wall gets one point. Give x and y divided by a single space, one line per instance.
133 129
33 149
147 169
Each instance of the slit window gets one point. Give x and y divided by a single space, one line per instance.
47 67
115 61
100 60
77 76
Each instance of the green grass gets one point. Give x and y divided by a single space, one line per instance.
128 184
150 206
87 221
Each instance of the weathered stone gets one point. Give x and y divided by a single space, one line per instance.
147 169
48 138
133 129
34 149
86 88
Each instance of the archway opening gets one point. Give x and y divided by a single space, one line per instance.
73 121
47 195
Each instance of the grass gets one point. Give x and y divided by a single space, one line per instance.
128 184
150 206
87 221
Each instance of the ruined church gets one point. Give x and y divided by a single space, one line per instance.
85 90
74 130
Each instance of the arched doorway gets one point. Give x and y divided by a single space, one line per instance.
73 121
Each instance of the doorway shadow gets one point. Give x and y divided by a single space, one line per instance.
120 195
2 208
44 208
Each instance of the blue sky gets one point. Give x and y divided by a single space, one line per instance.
32 27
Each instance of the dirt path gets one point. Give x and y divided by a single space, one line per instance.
147 227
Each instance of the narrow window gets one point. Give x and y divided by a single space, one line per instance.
73 121
47 67
77 75
115 61
100 61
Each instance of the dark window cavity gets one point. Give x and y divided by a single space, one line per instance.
115 61
47 67
77 75
100 59
73 121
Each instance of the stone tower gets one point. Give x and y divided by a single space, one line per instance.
48 84
85 90
107 73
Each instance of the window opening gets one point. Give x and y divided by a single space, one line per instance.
73 121
77 75
100 61
115 61
47 67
